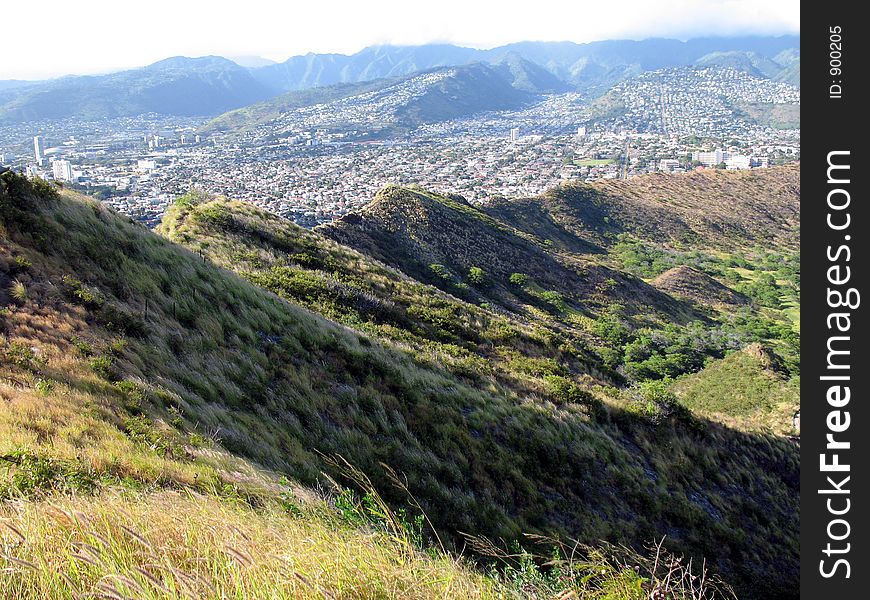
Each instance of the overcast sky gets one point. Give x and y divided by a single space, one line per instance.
59 37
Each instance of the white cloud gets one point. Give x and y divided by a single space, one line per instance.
95 36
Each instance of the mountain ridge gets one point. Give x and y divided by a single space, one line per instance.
593 66
412 229
432 95
656 207
178 85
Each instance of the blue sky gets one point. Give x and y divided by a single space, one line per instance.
95 36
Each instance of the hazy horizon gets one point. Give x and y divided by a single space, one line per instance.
110 37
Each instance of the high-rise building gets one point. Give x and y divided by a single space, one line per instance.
62 170
39 149
515 134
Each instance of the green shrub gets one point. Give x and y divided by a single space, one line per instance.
18 292
441 272
476 276
23 356
44 386
538 367
565 391
145 434
555 300
104 366
44 189
655 401
81 294
518 279
37 475
763 290
82 347
134 395
19 265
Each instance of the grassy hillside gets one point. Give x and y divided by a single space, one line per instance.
168 544
697 286
439 239
778 116
712 209
748 389
360 292
653 301
134 364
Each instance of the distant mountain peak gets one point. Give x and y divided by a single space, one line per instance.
187 62
252 62
528 76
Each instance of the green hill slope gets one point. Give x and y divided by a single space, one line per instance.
572 259
749 389
131 361
702 209
360 292
439 239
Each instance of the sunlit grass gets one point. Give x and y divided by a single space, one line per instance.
185 545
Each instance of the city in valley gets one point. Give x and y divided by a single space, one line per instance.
314 163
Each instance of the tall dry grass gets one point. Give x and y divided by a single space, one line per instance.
184 545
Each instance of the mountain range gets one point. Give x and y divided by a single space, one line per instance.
583 65
175 86
212 85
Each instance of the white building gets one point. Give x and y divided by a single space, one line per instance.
515 134
668 164
738 161
145 166
62 170
711 159
39 149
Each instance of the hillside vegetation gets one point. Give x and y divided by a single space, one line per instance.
703 209
592 259
138 373
748 389
415 230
